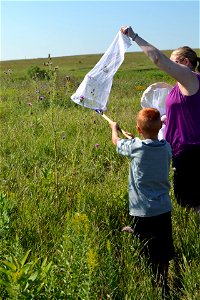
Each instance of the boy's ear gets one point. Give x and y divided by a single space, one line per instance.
139 129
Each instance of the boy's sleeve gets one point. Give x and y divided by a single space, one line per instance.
126 147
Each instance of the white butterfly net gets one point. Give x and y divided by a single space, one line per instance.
155 96
95 88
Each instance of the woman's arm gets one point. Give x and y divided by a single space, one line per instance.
187 80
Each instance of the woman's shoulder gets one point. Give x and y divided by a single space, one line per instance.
197 74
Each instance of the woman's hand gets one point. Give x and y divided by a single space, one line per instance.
127 30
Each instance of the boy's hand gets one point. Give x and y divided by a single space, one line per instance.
114 125
128 135
115 128
164 119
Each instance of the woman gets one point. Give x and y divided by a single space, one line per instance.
183 116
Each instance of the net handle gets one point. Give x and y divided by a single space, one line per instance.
121 130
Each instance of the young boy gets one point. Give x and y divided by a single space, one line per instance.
148 188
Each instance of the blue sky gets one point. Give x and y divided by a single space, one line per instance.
33 29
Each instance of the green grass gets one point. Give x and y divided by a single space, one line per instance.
63 201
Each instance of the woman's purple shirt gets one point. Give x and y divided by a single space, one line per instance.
183 119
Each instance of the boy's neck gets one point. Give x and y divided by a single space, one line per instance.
150 136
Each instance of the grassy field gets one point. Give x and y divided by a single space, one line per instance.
63 193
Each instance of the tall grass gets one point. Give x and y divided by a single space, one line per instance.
63 199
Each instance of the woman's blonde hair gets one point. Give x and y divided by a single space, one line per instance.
187 52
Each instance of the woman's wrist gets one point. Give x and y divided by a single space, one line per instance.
134 36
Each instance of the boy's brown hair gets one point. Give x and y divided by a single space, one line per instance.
148 120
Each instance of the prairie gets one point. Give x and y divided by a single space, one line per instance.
63 192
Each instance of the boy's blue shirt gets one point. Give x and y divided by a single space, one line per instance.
148 184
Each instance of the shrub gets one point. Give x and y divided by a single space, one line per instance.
38 73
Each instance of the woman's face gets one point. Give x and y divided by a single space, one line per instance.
177 60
